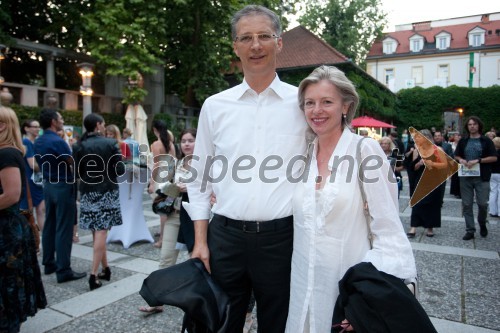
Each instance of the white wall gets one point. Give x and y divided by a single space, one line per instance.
487 69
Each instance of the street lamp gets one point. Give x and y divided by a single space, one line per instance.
86 71
2 57
460 116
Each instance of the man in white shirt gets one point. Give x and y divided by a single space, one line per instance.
248 139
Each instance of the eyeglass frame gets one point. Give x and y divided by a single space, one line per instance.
259 36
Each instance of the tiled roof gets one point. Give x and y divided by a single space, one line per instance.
302 48
459 34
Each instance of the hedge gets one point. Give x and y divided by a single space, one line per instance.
71 117
423 108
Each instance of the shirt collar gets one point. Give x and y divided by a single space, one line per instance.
340 149
49 131
275 86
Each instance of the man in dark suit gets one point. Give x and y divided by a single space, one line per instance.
397 142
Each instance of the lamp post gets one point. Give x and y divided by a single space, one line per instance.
460 115
86 71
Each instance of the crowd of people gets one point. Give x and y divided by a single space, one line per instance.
41 175
262 235
475 174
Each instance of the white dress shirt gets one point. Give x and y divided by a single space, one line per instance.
268 128
330 234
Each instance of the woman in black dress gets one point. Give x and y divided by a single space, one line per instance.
21 288
186 230
426 199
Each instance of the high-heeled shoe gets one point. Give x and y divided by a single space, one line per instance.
105 274
94 283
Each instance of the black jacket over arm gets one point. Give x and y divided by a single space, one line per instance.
376 302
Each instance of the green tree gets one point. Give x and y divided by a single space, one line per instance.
55 23
127 37
190 38
350 26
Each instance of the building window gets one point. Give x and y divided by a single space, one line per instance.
476 40
498 69
417 74
416 43
416 46
389 47
389 75
442 43
476 37
444 73
443 40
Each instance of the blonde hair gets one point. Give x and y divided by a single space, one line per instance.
116 132
11 136
496 142
338 79
388 139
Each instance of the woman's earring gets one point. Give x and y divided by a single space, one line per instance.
344 116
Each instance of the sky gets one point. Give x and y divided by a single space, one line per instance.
409 11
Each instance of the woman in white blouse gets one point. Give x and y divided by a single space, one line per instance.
330 230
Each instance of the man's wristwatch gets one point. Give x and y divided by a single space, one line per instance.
479 160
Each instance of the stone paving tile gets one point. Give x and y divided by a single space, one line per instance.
441 283
483 311
123 316
481 277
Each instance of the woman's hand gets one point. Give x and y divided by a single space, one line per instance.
213 199
151 188
182 187
419 164
347 326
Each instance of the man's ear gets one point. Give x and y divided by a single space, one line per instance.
279 45
235 49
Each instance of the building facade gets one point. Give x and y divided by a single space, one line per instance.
462 51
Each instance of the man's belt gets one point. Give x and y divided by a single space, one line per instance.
258 226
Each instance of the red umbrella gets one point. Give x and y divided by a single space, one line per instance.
366 121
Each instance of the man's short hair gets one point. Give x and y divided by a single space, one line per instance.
255 10
127 131
46 116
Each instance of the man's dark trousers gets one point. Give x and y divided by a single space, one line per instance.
244 261
60 217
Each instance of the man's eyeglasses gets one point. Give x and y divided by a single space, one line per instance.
262 38
34 126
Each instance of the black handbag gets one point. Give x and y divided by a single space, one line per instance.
163 204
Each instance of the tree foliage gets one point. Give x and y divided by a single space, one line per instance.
189 38
56 23
350 26
127 37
